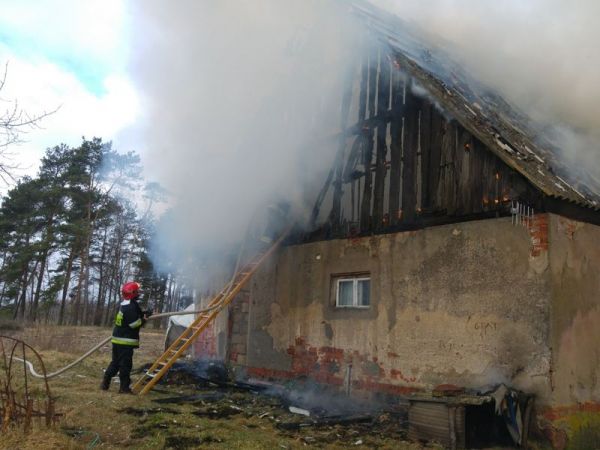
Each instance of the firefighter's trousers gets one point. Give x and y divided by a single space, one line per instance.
122 362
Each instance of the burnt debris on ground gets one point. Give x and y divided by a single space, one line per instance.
298 397
298 410
316 415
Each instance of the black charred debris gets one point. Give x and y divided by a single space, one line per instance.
291 407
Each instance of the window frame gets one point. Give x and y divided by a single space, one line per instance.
355 282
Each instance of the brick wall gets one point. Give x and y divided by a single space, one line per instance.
205 345
538 231
238 328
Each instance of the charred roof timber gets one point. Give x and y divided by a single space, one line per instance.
510 134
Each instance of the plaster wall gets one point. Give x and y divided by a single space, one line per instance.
575 318
467 304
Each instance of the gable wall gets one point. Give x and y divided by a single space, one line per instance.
403 161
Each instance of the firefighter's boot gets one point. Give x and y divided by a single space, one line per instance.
105 384
125 390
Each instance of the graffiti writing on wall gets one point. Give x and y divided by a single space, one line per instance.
485 328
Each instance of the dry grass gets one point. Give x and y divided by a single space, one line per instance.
107 420
87 410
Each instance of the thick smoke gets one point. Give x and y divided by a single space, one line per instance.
236 93
235 97
540 55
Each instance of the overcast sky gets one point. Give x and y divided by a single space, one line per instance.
72 55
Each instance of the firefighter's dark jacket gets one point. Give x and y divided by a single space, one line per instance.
128 322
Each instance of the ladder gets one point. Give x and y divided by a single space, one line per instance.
162 365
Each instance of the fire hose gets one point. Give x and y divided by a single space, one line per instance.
102 343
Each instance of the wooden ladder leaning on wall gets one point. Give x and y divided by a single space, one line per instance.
162 365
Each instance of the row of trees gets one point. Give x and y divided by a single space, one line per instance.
72 235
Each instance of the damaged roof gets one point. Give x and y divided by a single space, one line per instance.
514 137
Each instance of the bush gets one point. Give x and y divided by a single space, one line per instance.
10 326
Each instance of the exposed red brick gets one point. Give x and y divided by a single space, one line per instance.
304 357
300 341
324 365
261 372
538 232
447 390
559 412
556 435
332 352
205 345
398 375
237 316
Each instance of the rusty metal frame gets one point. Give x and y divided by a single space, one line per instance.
18 404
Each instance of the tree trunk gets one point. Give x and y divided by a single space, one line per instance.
66 282
101 282
108 302
4 263
80 315
31 287
114 279
20 301
38 289
77 306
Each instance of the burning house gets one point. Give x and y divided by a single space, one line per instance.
452 243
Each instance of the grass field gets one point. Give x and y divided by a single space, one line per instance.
97 419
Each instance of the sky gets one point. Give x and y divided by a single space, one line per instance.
70 55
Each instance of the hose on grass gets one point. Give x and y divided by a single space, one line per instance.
78 433
97 347
94 441
153 317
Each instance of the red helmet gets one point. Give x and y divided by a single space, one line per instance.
130 290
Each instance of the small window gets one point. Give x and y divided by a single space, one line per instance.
353 292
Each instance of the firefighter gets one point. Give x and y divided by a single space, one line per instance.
126 337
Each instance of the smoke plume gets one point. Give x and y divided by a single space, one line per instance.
235 96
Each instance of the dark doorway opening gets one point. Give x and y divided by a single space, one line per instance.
484 428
